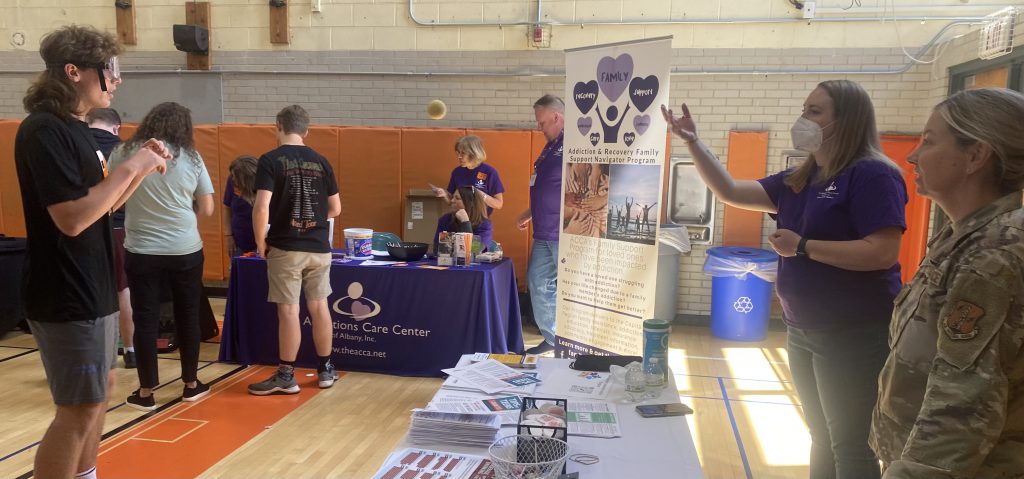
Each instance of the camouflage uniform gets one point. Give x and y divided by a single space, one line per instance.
951 394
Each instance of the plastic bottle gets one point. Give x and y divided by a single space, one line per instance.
654 376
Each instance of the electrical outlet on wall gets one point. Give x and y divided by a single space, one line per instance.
316 6
808 10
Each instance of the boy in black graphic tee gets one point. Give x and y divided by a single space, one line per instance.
296 193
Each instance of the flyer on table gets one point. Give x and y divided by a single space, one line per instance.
614 155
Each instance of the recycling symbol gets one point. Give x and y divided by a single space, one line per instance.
743 305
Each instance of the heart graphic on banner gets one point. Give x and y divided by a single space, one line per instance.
585 95
359 309
584 124
641 123
613 75
594 138
643 91
628 138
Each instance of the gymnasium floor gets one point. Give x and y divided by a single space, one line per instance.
747 421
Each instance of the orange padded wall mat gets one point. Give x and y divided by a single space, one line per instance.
748 158
12 219
369 175
915 239
509 152
207 141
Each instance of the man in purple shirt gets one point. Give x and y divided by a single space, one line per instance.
544 211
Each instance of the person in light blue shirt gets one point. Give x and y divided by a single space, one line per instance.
164 248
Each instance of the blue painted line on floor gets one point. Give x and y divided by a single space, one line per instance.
741 400
782 381
735 430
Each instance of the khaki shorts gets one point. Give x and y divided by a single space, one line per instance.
77 357
290 271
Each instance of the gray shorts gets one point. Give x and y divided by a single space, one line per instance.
77 357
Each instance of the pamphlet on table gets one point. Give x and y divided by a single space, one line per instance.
592 419
490 376
426 463
506 406
463 429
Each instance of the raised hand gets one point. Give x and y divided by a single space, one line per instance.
683 127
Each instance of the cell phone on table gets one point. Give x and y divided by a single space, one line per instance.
663 410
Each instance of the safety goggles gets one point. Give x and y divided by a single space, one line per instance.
108 71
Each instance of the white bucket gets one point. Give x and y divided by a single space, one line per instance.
359 242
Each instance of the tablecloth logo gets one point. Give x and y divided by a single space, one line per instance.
360 308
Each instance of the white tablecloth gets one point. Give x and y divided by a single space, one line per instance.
649 447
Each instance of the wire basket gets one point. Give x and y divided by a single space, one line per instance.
528 457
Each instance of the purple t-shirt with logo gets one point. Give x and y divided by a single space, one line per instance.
546 191
484 177
865 198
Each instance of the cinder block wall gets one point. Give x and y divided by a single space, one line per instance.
348 64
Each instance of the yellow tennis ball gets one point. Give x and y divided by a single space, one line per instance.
436 109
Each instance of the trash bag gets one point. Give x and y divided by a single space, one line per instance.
735 261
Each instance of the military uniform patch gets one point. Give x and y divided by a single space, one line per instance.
962 321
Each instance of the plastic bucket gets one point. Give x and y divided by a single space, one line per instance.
740 300
359 242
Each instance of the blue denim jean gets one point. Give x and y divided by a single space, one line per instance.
542 279
835 372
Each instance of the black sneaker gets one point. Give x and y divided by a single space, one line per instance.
196 393
129 360
135 401
279 383
541 348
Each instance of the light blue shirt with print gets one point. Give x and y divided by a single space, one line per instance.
159 216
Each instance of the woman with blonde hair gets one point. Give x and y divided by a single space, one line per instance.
840 218
164 248
951 394
472 171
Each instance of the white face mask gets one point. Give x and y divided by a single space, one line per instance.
806 135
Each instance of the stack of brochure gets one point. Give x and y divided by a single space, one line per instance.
490 377
462 429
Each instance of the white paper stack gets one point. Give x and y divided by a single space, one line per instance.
463 429
490 377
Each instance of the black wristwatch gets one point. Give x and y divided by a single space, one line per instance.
801 247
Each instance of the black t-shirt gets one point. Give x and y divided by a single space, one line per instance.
66 278
107 141
301 181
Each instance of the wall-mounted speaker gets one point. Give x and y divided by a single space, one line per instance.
192 39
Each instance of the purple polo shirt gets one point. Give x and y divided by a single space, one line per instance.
484 177
546 191
865 198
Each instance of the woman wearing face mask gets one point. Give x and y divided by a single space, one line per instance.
840 218
951 395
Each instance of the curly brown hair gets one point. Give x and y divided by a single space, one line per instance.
170 123
53 92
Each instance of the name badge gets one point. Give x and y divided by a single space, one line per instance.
533 179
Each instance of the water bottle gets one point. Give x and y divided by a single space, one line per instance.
654 377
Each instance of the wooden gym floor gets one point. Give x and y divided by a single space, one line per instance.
747 421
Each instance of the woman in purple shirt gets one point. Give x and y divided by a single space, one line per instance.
467 216
472 171
840 218
239 195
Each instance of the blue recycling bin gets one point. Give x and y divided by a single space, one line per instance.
741 291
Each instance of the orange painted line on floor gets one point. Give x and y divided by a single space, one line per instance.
189 438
